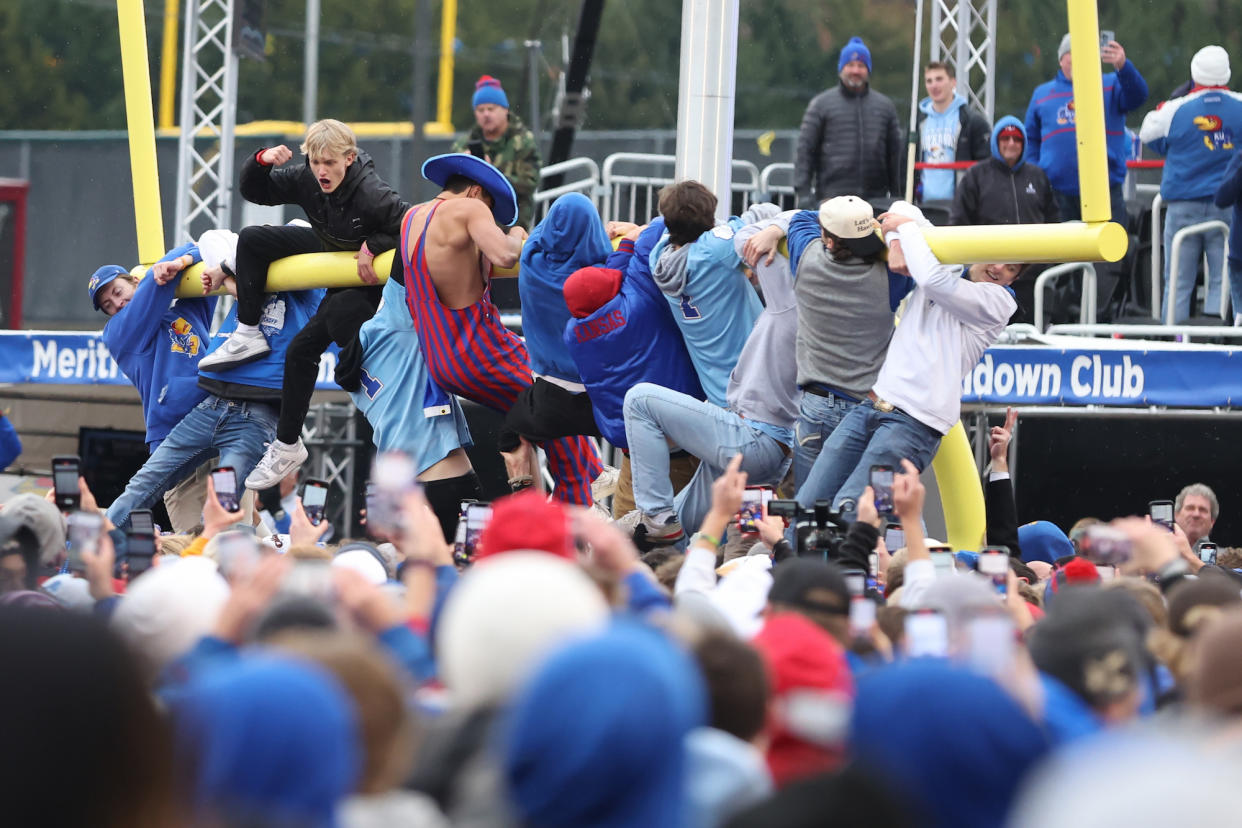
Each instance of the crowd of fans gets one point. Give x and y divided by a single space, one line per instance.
850 143
807 656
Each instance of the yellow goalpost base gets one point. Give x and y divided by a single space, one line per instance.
961 493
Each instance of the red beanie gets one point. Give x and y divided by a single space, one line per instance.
589 289
528 521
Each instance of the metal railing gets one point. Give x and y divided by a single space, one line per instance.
1202 228
782 194
632 195
588 185
1157 242
1183 333
1087 299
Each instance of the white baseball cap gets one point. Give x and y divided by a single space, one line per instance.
852 220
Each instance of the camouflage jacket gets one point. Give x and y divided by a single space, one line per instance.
515 154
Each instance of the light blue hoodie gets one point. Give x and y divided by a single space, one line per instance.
938 135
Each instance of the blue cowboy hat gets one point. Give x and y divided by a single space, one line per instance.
440 168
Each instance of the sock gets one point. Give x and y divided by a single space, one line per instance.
247 330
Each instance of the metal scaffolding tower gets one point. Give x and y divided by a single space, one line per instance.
963 35
208 110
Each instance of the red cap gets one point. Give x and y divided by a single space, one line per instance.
528 521
812 691
589 289
1011 131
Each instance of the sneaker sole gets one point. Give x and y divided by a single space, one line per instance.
235 363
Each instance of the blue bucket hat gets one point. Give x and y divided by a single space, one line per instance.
440 168
101 278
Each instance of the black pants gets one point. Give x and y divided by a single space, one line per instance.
258 247
445 497
340 315
545 411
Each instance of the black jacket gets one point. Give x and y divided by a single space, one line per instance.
849 144
992 192
362 208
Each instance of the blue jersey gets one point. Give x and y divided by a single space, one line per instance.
1197 134
713 303
631 339
284 314
1052 131
406 409
157 343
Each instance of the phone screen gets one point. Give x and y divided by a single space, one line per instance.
943 563
862 616
994 565
141 522
990 643
855 581
476 518
65 471
1207 553
894 539
1162 512
1107 37
927 634
224 480
754 499
882 486
84 531
391 478
314 498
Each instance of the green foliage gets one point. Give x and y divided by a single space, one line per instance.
59 59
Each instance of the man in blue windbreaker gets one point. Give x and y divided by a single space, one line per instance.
158 343
1197 134
1052 134
236 416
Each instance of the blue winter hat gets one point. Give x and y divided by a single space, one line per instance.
1043 541
488 90
101 278
854 50
438 169
619 759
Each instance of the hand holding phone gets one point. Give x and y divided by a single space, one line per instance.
754 499
314 500
141 542
84 531
65 471
391 479
224 481
882 487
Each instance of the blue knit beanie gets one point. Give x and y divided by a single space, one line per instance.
487 90
854 50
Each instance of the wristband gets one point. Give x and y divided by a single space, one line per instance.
706 538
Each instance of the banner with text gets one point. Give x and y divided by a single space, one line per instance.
68 358
1188 378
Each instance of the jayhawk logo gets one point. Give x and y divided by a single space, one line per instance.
184 340
1066 115
1215 136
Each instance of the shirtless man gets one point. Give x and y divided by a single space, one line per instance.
448 247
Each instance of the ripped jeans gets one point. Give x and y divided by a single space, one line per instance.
817 418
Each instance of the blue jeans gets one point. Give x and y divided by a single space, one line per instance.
236 430
656 417
865 438
1181 214
818 417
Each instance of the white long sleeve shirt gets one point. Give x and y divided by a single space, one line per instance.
949 322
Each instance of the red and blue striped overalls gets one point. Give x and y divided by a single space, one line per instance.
470 354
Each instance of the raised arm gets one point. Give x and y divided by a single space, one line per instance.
499 248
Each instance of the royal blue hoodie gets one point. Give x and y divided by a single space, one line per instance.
158 346
569 238
1052 135
284 314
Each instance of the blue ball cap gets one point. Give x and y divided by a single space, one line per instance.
440 168
100 279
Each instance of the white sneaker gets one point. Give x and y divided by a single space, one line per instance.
280 460
238 349
606 484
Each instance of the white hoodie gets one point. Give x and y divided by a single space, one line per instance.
949 322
